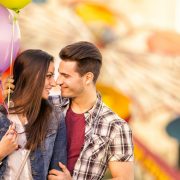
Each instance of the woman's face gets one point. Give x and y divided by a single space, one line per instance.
49 81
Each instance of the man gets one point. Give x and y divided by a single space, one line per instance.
96 137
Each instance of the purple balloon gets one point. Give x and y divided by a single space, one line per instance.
7 40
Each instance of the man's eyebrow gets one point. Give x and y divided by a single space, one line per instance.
64 74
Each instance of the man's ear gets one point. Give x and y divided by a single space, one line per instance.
89 77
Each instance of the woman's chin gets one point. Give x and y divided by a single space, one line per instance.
45 96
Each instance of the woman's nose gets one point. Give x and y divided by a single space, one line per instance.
53 82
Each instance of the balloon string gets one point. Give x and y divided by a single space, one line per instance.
11 59
1 87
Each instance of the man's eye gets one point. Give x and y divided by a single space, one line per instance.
66 76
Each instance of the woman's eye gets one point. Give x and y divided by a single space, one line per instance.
49 76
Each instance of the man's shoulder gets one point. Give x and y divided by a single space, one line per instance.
110 117
109 124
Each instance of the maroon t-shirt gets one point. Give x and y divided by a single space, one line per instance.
75 124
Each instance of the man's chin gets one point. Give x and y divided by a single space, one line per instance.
64 95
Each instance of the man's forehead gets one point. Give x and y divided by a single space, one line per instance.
66 62
67 67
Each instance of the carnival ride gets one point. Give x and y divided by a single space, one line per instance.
140 73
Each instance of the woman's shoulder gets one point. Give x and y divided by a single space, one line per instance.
3 110
4 121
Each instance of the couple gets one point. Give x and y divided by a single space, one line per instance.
76 128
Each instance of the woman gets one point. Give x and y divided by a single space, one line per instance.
36 121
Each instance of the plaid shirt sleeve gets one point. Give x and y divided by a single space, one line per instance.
121 147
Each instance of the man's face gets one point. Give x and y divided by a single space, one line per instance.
71 83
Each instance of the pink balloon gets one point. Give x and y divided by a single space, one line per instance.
7 40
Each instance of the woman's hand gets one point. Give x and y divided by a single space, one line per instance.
8 143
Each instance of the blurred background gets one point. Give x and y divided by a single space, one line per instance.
140 78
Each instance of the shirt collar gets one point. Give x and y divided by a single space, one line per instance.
92 114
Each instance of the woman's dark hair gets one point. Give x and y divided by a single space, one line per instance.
29 75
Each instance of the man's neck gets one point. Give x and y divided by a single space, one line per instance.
84 102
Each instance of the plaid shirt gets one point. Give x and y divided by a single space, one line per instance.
107 138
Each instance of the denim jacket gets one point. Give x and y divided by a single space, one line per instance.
48 155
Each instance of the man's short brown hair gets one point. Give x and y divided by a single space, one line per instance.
87 56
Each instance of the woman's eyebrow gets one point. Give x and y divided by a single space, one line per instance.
50 73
